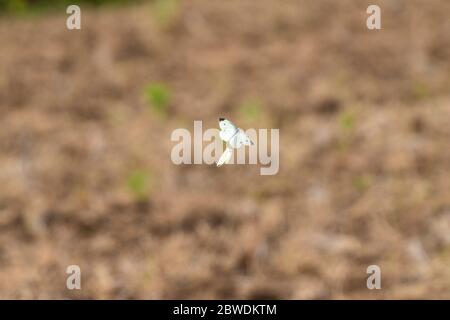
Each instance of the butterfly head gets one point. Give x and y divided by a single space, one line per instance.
224 123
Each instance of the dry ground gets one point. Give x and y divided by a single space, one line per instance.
364 163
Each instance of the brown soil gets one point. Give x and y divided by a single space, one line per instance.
364 157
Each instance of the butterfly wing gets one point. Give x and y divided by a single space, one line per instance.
225 157
240 139
227 129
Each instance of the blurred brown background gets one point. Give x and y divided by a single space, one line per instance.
85 170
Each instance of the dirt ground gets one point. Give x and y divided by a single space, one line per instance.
364 116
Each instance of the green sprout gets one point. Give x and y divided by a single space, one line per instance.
138 182
158 98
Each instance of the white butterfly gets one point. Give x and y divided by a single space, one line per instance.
234 137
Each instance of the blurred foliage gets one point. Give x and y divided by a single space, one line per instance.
420 90
347 121
251 109
22 6
13 5
115 116
158 96
165 11
362 182
138 182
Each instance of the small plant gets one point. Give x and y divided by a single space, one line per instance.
138 182
158 98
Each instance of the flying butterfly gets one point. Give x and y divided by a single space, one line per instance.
234 137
